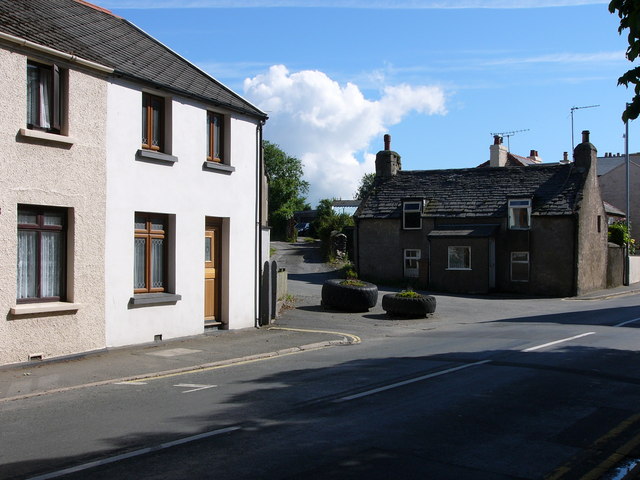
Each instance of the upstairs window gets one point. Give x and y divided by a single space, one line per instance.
44 97
412 215
153 111
150 253
215 137
520 214
41 262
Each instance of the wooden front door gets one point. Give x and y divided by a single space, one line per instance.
211 276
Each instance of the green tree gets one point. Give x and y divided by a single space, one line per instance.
366 186
327 221
286 188
629 13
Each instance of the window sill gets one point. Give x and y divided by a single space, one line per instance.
44 307
150 299
49 137
218 167
459 269
155 157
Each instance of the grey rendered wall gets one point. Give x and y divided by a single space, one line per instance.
592 233
43 172
613 187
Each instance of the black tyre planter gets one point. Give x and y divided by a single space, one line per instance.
351 298
414 307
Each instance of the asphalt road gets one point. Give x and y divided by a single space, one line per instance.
488 388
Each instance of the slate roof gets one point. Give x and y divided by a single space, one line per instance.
514 160
95 34
477 192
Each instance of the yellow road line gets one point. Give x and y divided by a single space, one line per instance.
610 461
354 338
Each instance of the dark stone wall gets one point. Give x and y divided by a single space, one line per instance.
475 280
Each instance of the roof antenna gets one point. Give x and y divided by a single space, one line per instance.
508 135
572 110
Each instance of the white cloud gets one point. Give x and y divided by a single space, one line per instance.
563 58
369 4
329 126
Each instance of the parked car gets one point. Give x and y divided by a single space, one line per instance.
303 228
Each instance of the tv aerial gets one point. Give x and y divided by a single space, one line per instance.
508 135
573 109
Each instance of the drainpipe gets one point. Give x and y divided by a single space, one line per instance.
258 234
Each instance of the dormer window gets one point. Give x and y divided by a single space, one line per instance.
520 214
412 214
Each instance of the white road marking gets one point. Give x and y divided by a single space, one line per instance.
130 383
407 382
173 352
194 387
544 345
135 453
628 321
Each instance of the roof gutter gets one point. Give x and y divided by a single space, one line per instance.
56 53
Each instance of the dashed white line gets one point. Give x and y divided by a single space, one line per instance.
407 382
135 453
544 345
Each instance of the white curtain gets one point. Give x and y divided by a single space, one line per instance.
50 263
27 265
38 96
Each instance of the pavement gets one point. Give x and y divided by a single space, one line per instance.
209 350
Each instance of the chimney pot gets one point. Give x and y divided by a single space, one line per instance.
565 156
387 142
585 136
497 140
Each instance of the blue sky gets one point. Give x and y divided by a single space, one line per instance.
439 75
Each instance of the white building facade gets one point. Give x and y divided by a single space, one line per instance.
207 208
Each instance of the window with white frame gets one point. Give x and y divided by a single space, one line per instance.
42 233
411 262
519 266
45 95
412 215
520 214
459 258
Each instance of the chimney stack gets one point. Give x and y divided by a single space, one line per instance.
497 153
387 161
533 155
585 155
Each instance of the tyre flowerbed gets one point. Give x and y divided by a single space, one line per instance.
351 298
413 307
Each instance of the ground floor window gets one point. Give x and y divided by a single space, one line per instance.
411 262
150 252
459 258
519 266
41 261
